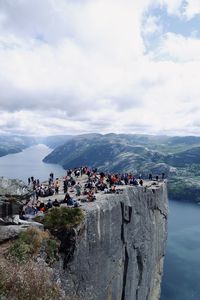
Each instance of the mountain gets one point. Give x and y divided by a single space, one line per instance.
14 144
177 157
128 152
185 158
10 144
54 141
107 152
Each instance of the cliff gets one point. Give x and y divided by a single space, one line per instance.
118 253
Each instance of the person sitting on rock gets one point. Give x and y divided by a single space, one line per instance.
29 210
102 186
91 197
85 191
34 209
113 189
106 190
77 172
42 207
133 181
67 198
49 204
102 176
113 179
73 182
56 203
50 191
69 201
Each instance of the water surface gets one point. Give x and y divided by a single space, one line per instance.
181 280
29 163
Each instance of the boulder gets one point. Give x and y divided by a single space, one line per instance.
13 193
14 187
12 231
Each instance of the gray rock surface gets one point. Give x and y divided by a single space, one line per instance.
13 187
12 193
120 248
12 231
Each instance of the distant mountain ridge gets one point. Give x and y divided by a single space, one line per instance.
14 144
177 157
108 150
102 152
184 158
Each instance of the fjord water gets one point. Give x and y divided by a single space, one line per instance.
29 163
181 280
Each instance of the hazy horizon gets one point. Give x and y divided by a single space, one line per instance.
97 133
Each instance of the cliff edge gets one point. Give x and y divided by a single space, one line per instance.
117 254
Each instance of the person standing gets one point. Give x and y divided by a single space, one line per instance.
56 186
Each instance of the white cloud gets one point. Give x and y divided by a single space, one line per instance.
179 48
173 6
181 8
192 8
152 25
80 66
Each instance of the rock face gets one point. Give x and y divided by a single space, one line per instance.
12 231
13 187
12 193
119 252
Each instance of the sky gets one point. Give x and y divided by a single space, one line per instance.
80 66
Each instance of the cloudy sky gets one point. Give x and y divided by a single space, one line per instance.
78 66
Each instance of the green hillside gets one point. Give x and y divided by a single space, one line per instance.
177 157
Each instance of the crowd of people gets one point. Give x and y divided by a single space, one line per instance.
79 185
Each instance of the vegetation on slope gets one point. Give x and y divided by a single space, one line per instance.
25 265
29 245
27 281
177 157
